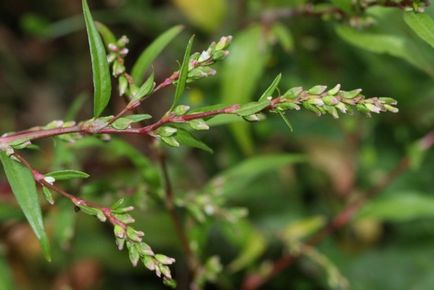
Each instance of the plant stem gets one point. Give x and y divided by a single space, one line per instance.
39 178
176 220
30 135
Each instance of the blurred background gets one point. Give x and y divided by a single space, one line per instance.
45 74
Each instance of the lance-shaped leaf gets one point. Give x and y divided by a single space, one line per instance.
183 74
241 74
186 138
270 90
67 174
23 186
152 51
106 33
422 24
252 108
100 69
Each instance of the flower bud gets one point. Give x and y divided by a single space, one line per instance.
224 42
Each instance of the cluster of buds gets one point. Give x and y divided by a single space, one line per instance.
199 65
334 101
126 235
116 55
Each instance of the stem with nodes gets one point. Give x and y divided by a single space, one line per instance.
40 179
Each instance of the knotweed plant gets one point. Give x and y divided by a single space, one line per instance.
174 128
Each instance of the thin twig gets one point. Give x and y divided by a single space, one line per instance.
40 179
176 220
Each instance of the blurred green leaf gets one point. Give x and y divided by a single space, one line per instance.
207 15
240 76
300 229
397 46
75 107
23 186
399 207
283 36
151 52
422 24
183 74
236 178
254 246
63 221
100 68
345 5
6 282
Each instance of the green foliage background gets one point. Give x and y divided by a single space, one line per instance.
45 75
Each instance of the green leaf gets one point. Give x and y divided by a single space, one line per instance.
206 15
250 241
23 186
125 122
152 51
241 75
187 139
138 117
422 24
254 248
167 131
224 119
171 141
238 177
48 195
304 227
283 35
145 89
63 220
75 107
399 207
285 119
252 108
100 68
106 33
5 275
270 90
67 174
397 46
183 74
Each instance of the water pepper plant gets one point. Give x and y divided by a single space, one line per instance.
174 128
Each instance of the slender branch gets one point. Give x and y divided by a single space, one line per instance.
310 100
176 220
30 135
255 281
40 179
